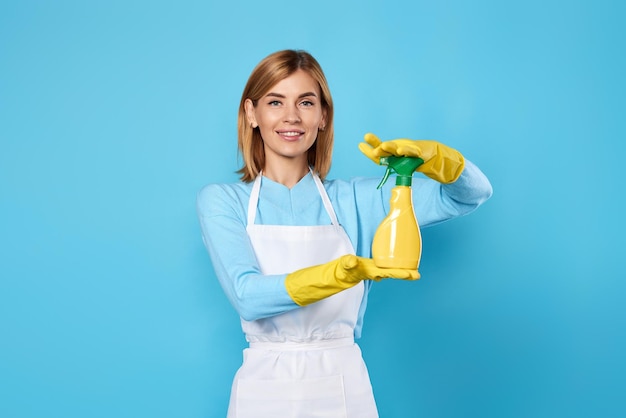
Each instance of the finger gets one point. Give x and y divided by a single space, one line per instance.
401 147
405 275
372 139
349 261
387 148
392 273
368 151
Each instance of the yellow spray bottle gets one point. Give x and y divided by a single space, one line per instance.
397 242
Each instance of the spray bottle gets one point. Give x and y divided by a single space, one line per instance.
397 242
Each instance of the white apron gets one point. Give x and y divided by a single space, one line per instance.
303 363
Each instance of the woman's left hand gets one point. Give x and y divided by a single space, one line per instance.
441 162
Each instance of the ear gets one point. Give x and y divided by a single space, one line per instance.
323 121
250 113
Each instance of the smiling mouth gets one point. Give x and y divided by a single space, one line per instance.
290 134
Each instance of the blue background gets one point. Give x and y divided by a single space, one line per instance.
114 114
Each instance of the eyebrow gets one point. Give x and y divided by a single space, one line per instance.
307 94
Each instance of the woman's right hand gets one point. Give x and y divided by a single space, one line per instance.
315 283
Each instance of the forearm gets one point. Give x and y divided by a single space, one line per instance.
256 296
435 202
252 294
471 189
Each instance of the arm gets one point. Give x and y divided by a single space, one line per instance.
221 211
255 295
455 186
435 202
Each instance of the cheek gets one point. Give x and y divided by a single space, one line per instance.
267 120
265 131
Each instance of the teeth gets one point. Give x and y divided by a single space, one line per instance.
291 133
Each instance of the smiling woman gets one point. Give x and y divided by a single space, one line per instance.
289 118
264 81
292 251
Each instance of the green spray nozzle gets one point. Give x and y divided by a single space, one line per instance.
402 166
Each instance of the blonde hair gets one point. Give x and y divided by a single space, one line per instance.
272 69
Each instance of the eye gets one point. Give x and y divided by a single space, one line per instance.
274 103
307 103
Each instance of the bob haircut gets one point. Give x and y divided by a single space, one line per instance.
271 70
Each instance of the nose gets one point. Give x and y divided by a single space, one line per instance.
292 114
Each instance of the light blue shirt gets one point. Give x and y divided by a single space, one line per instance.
222 209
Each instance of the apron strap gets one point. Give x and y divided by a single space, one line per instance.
325 199
254 199
256 188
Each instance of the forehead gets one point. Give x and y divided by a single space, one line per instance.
297 83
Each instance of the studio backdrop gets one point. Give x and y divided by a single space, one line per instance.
114 114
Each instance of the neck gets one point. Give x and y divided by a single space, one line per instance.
287 173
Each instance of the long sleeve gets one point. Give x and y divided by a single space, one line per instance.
435 202
222 210
362 207
222 214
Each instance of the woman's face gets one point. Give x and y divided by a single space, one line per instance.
288 116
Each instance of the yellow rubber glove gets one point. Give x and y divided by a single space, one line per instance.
315 283
441 162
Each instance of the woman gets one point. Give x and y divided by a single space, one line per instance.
291 250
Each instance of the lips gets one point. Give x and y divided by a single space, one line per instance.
290 135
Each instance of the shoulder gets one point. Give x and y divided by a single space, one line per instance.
221 198
230 189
